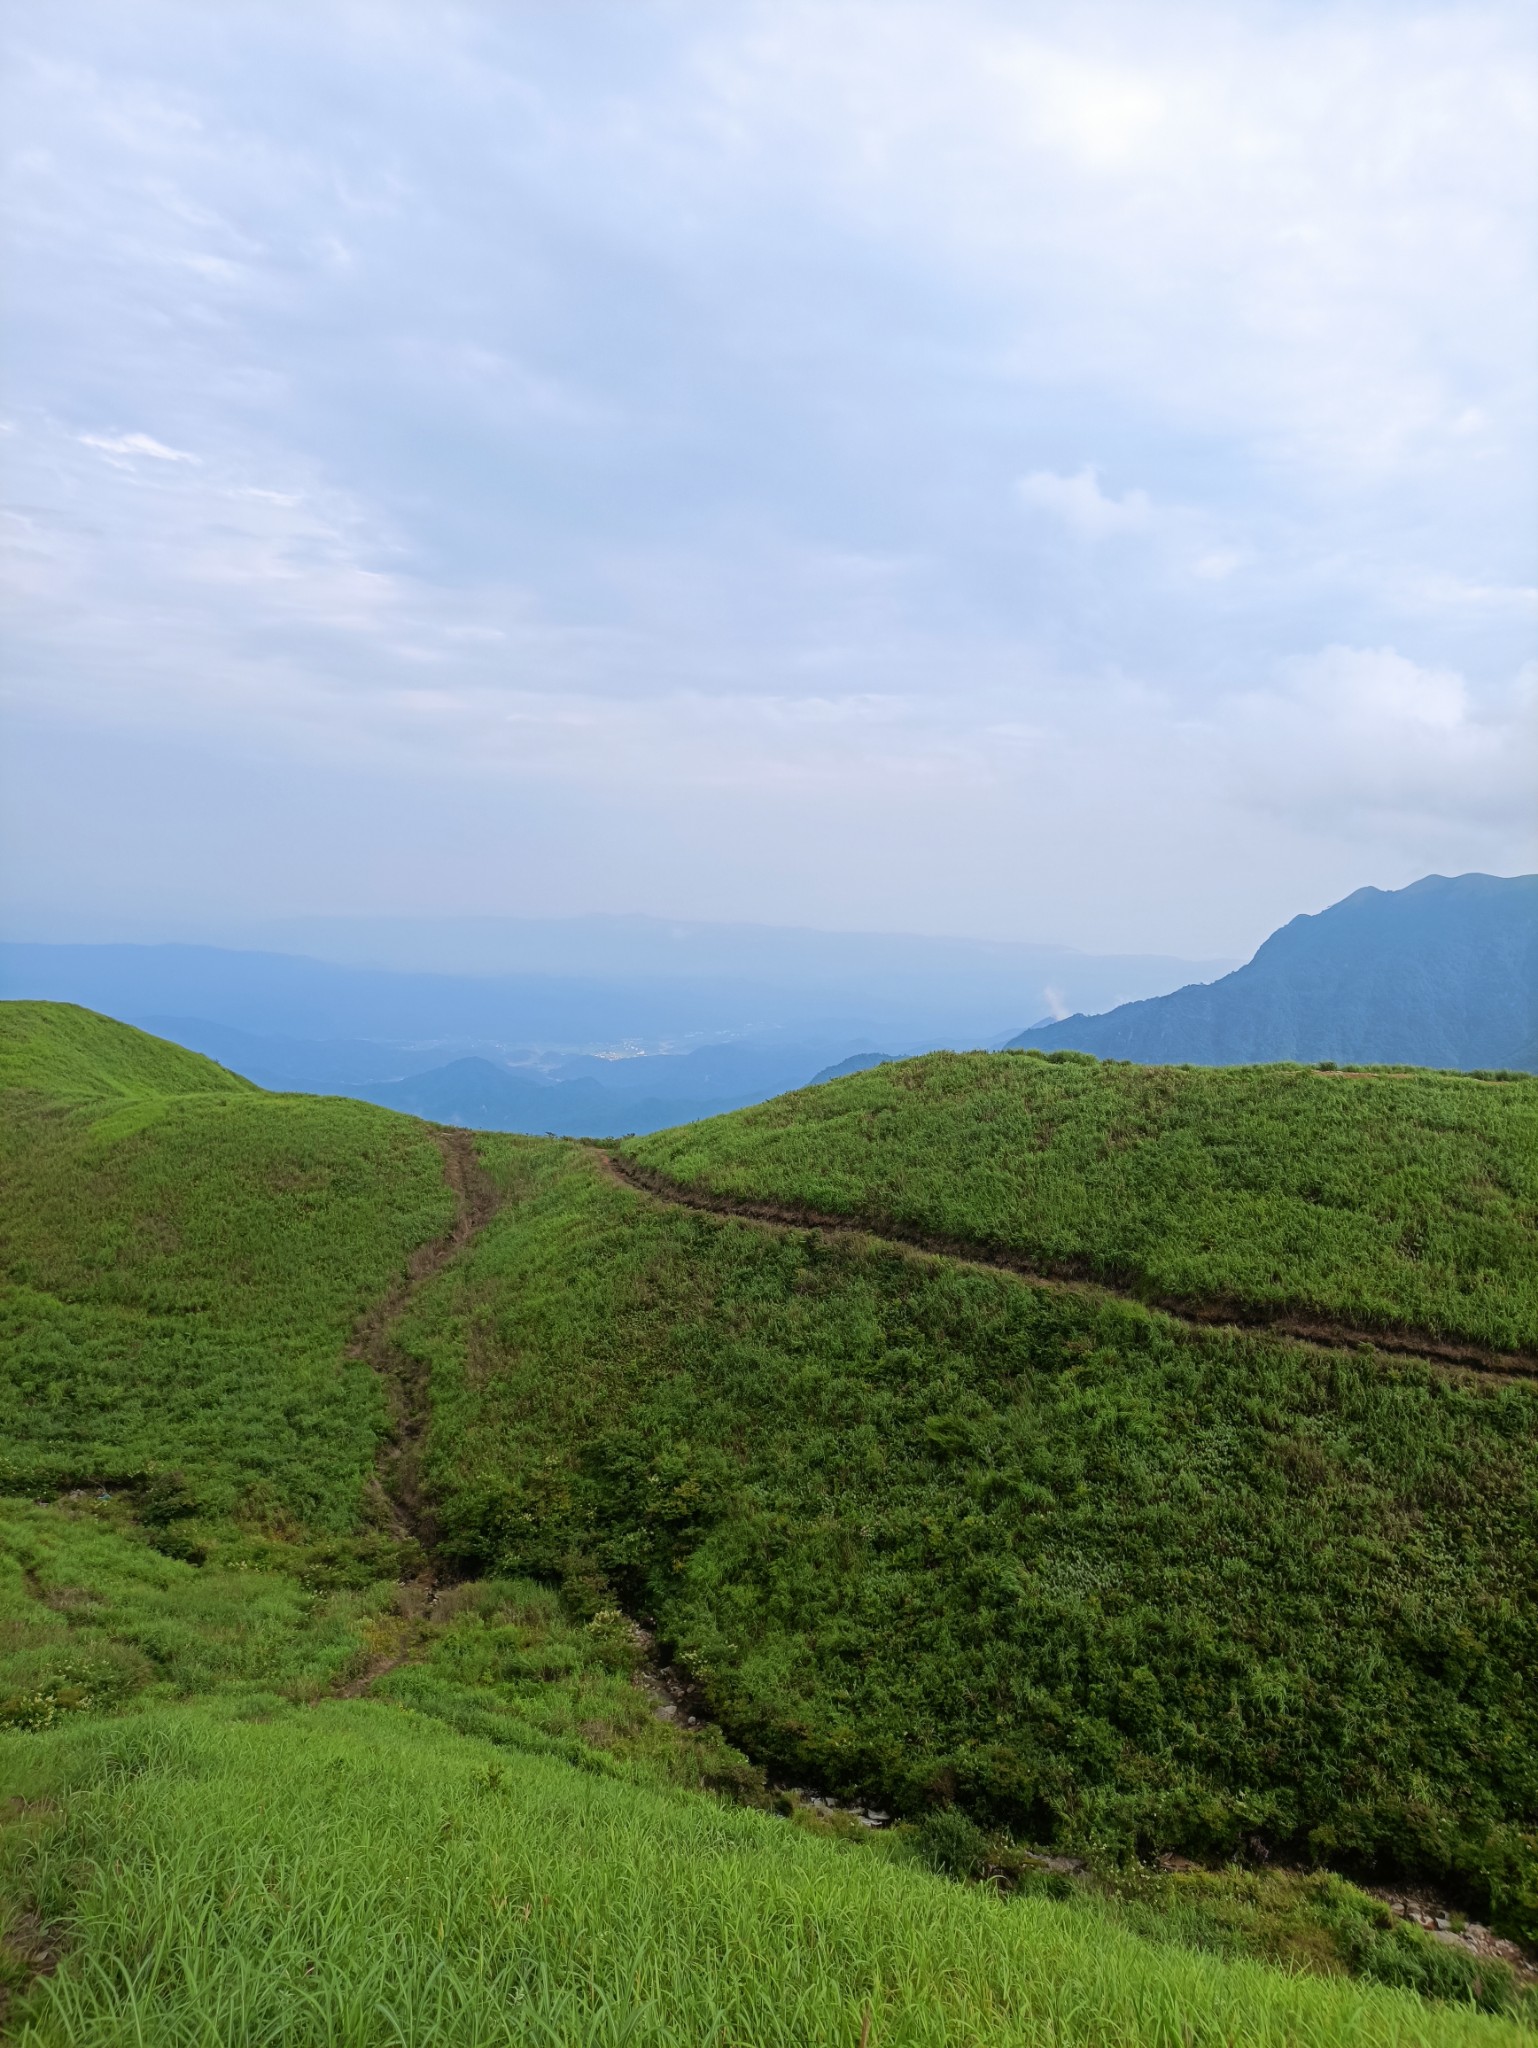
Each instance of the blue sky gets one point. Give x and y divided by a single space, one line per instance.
1012 470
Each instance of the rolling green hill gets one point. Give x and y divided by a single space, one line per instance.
1384 1200
184 1260
54 1053
296 1749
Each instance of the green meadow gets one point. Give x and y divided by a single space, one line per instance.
1030 1567
358 1874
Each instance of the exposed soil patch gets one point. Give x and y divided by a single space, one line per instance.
415 1602
1448 1925
476 1199
1221 1312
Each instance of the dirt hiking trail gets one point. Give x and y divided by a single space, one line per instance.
476 1200
1219 1312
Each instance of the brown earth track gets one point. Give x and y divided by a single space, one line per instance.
476 1199
1217 1313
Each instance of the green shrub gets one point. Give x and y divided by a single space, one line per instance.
950 1842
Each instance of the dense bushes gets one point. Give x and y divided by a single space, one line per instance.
924 1532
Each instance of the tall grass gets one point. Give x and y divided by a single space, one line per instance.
911 1526
354 1876
91 1615
1385 1199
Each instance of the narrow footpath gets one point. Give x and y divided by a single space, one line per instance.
476 1200
1323 1333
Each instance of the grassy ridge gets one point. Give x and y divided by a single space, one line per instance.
183 1259
57 1052
924 1532
1386 1200
358 1876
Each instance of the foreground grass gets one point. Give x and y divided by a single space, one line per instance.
94 1621
924 1533
356 1875
1388 1200
183 1261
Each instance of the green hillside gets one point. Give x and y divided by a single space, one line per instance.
1383 1200
923 1532
414 1886
303 1738
58 1053
184 1259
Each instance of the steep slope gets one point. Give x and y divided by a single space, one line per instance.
1441 974
408 1884
207 1833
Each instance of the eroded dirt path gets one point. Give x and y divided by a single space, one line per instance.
476 1200
1217 1313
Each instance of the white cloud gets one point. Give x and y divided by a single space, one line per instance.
1080 504
1380 691
1354 734
1217 563
135 444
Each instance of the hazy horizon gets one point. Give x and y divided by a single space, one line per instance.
956 470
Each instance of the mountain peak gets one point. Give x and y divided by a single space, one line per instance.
1443 973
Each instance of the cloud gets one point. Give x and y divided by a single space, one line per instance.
937 442
1378 690
134 444
1354 734
1080 504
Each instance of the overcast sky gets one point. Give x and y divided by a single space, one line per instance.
1008 469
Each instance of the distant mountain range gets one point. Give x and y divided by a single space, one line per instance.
585 1027
592 984
600 1098
1441 974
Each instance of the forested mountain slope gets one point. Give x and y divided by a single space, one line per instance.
1441 974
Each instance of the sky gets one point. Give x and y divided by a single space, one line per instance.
1017 471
